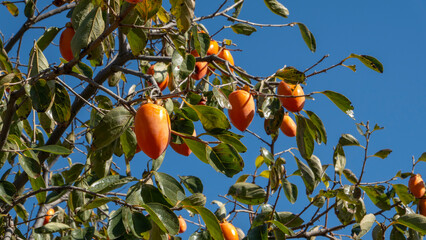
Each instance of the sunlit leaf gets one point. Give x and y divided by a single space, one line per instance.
116 121
369 61
247 193
170 187
291 75
52 227
342 102
243 28
308 37
383 153
416 222
277 8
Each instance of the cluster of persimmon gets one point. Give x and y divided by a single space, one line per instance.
242 112
417 188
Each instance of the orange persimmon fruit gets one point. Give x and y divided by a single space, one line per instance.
182 148
225 54
213 48
417 186
229 231
152 129
162 85
242 112
288 126
200 67
49 215
182 224
65 43
292 104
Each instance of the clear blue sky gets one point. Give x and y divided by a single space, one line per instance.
391 31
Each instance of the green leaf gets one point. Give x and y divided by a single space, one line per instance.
5 64
128 143
187 66
267 156
72 174
366 224
341 102
232 139
422 158
243 28
112 125
210 220
376 195
288 219
403 194
80 12
12 8
21 211
83 234
201 234
348 140
37 61
137 39
192 183
135 222
304 139
225 159
183 10
7 190
315 164
42 94
52 227
350 176
29 8
198 148
383 153
282 227
277 8
115 224
166 220
339 159
54 149
247 193
290 190
61 108
98 202
89 29
148 9
151 194
170 187
197 199
307 175
221 98
416 222
36 184
369 61
201 41
49 34
308 37
109 183
291 75
343 211
31 166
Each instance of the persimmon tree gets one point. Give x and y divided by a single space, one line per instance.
121 55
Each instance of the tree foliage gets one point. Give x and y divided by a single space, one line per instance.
89 121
